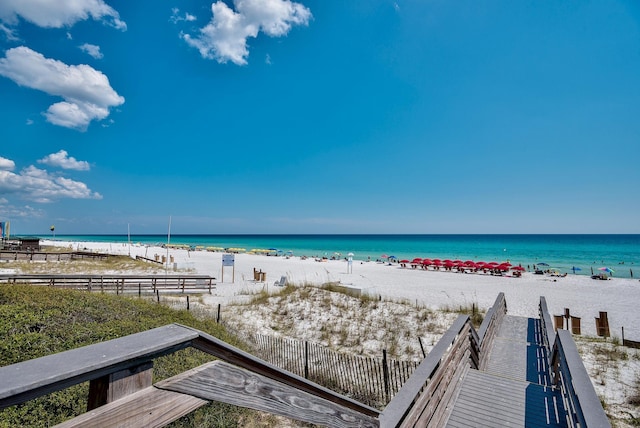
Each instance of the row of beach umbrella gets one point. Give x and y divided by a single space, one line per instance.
459 264
470 264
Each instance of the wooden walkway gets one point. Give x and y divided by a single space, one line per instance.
513 372
514 390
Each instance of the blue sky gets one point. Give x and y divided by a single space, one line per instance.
360 116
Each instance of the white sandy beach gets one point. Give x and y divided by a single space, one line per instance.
585 297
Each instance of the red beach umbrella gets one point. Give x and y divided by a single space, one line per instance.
416 260
404 261
436 262
426 261
520 268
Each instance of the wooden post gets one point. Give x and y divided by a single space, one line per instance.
218 316
575 325
567 317
116 385
187 302
558 320
424 354
306 359
385 374
158 295
604 324
139 290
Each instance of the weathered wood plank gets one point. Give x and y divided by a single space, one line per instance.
150 407
230 384
30 379
226 352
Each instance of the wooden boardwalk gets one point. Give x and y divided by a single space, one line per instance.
513 372
515 389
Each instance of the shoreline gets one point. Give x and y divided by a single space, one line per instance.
585 297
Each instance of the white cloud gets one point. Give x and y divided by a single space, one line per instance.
58 14
29 122
9 33
7 164
86 91
176 17
39 186
92 50
224 38
8 211
64 161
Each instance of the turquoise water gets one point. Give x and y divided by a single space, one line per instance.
586 252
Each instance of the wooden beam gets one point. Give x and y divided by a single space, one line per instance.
149 407
220 381
226 352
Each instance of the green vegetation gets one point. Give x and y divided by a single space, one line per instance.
471 310
38 321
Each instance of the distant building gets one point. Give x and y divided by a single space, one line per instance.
21 244
29 244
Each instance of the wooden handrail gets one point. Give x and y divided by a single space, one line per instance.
548 333
489 328
570 375
29 379
33 378
403 403
496 311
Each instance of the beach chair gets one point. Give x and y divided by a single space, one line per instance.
282 282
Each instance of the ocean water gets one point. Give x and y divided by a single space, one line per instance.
588 253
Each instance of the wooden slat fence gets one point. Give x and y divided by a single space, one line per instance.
49 256
372 381
117 283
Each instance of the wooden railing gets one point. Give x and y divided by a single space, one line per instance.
570 376
546 324
424 400
117 283
16 255
489 328
121 394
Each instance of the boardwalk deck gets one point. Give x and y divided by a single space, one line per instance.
514 390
